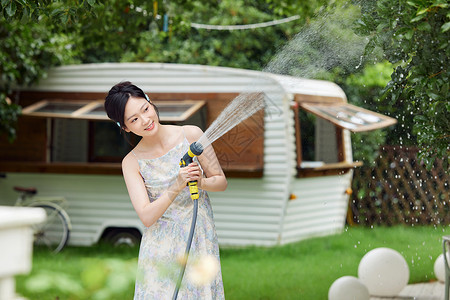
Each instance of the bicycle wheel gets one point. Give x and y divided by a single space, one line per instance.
54 232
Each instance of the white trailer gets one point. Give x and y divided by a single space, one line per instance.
281 188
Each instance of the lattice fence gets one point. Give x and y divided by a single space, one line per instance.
400 190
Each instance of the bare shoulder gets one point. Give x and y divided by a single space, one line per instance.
193 133
129 162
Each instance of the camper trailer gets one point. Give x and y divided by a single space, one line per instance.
289 166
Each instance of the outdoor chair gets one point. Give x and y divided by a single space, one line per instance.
446 246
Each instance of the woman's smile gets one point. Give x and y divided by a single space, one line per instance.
150 127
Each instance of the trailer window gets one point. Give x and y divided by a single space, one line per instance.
83 141
169 111
79 131
318 142
320 129
348 116
106 144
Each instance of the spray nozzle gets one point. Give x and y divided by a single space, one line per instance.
196 148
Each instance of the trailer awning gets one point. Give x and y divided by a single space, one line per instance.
169 111
348 116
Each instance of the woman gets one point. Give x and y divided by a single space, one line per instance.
157 188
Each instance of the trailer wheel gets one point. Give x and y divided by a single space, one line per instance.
119 237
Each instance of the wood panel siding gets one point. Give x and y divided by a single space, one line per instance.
29 145
240 151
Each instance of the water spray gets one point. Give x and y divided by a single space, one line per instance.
286 62
242 107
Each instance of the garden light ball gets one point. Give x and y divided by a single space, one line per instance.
384 271
348 288
439 267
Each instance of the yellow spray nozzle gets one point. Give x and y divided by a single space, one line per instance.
193 189
195 149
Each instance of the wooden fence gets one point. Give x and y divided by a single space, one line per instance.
400 190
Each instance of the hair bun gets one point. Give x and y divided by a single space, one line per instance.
119 87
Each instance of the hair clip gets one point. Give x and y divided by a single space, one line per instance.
146 97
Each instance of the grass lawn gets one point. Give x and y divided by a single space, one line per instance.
303 270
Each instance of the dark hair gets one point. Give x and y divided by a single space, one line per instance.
118 97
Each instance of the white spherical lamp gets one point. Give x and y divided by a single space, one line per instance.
348 288
439 267
384 271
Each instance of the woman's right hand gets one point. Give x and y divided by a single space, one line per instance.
190 173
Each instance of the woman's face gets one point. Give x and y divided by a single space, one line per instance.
140 117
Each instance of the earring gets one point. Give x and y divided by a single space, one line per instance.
118 124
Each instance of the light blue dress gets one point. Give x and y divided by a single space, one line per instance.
163 244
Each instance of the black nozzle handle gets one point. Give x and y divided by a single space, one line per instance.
195 149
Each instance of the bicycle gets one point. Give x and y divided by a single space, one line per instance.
54 232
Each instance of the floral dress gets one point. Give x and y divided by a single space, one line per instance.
164 243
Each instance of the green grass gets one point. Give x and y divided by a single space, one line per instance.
306 270
303 270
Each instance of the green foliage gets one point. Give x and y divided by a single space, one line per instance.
123 30
61 12
375 75
248 49
115 30
415 36
27 51
99 279
9 112
98 272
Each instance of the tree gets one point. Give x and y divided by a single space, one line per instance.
31 41
37 35
248 49
414 35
